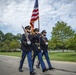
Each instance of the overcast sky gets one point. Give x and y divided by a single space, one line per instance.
14 13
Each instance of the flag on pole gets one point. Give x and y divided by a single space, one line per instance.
35 14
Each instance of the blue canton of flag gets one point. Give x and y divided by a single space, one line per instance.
36 4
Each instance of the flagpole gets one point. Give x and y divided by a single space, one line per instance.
39 24
38 19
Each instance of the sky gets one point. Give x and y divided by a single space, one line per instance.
15 13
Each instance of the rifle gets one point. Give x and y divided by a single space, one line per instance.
26 34
45 40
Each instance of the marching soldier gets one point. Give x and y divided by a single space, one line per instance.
26 47
44 48
37 49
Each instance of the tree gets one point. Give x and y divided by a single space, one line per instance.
60 33
15 44
17 37
71 43
1 36
8 36
52 43
9 42
5 46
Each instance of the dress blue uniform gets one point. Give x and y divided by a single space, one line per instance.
44 48
26 50
37 51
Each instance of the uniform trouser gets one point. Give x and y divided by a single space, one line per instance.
47 59
29 57
39 54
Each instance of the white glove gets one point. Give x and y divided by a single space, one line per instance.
46 43
28 42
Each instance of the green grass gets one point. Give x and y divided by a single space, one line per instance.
18 54
59 56
63 56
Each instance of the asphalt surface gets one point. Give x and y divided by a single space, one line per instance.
9 66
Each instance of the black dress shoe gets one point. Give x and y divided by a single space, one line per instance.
37 66
51 68
44 70
20 70
32 73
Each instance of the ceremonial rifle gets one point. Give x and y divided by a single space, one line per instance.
26 34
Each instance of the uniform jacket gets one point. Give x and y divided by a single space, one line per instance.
36 42
43 46
24 45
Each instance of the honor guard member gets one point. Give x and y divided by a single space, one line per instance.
26 47
44 48
37 49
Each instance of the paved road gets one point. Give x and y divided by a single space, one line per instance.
9 66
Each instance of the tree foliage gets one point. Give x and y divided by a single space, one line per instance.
1 36
60 34
71 43
9 42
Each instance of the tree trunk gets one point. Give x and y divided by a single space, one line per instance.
63 50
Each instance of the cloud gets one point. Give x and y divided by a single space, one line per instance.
14 13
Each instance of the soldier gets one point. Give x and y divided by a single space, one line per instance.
44 48
26 47
37 49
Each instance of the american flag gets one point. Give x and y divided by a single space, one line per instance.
35 14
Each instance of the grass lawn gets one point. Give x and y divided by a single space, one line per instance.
59 56
18 54
63 56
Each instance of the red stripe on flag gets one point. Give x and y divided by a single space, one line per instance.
34 19
35 14
35 10
32 26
